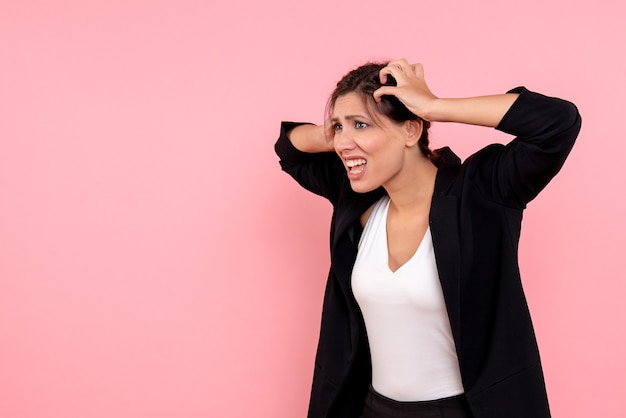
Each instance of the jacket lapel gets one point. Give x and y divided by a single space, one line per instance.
345 236
346 232
352 207
444 227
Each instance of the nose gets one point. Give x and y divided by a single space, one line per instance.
343 141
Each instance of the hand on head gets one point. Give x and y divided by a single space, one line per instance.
411 88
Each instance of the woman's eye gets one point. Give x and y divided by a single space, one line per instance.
337 127
360 125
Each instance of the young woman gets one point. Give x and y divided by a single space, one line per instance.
424 313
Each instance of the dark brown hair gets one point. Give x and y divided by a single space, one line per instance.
364 80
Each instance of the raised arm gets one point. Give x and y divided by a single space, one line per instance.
545 130
306 155
411 89
310 138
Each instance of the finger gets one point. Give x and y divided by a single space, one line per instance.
401 65
418 70
389 70
397 68
384 91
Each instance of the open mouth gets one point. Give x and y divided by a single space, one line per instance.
356 166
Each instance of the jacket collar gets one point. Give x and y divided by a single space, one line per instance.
448 168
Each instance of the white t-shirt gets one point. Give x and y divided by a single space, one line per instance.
413 353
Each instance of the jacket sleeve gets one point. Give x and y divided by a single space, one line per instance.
321 173
545 130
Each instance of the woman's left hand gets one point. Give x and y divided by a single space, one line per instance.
411 88
414 93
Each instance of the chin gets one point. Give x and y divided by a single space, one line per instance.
362 188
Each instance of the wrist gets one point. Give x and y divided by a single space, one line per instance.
435 111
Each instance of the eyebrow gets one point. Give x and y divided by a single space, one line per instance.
348 117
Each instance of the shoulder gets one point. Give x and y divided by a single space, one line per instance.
477 172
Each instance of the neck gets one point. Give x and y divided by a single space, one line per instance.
413 188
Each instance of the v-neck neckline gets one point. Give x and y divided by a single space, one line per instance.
386 246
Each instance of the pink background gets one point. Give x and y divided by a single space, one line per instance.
155 262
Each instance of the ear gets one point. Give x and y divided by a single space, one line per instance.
413 131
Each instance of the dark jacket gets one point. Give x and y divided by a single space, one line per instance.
475 220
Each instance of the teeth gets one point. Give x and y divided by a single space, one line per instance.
354 163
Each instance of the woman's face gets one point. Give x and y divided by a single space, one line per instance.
372 151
